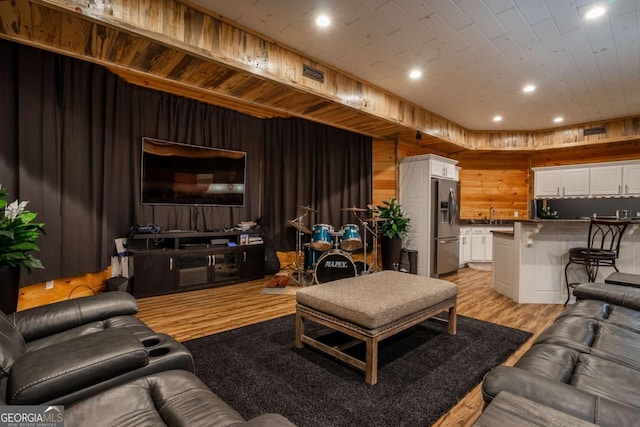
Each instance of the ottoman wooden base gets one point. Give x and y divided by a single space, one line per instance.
370 336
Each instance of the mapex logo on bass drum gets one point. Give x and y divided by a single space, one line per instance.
337 264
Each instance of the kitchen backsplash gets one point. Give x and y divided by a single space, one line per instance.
577 208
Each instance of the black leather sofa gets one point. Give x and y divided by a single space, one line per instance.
587 363
106 366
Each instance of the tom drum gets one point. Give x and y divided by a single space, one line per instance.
350 237
321 238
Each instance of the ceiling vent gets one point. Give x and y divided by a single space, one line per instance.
595 131
312 73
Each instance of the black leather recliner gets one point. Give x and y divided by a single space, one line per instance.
586 363
172 398
107 367
63 352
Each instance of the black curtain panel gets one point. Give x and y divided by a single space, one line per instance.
72 134
310 164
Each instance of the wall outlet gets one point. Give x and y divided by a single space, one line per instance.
515 214
49 284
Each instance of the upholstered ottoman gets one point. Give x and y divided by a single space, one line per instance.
371 308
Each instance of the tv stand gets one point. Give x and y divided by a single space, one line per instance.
181 260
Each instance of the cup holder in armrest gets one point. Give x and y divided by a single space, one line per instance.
159 352
150 342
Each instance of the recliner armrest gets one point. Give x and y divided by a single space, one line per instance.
44 374
557 395
626 296
49 319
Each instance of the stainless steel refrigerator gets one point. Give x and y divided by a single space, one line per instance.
445 229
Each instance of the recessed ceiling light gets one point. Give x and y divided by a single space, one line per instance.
323 21
558 120
595 12
528 88
415 74
497 118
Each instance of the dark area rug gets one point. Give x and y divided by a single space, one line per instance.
423 372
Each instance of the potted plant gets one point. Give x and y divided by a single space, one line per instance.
18 238
394 229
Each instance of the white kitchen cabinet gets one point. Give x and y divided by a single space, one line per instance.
482 243
557 183
606 181
547 183
478 245
609 179
465 245
631 179
443 169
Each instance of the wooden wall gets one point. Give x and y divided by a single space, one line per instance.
502 179
384 171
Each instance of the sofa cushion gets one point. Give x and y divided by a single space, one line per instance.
609 313
12 345
607 379
551 361
173 398
131 323
596 337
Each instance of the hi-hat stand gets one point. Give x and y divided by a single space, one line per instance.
298 223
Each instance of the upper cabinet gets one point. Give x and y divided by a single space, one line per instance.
631 180
562 183
444 169
606 181
595 180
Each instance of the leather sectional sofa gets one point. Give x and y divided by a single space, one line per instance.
587 363
107 367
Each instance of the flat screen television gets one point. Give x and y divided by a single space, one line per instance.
182 174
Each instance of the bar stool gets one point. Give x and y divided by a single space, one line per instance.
603 249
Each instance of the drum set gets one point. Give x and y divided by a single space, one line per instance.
328 255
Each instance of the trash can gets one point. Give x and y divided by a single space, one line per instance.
413 262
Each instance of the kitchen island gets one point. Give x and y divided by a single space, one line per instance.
528 265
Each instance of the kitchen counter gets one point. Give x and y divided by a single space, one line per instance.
504 233
528 266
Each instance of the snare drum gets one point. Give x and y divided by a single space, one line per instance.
311 257
321 239
350 237
334 265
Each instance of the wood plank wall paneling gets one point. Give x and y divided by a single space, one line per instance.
65 288
384 162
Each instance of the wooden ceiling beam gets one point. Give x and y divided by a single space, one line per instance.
170 46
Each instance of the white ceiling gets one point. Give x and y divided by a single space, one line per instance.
476 55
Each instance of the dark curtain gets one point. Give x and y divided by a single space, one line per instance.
71 145
309 164
72 134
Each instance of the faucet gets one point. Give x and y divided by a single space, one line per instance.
492 212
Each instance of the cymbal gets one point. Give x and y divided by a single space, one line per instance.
299 226
354 209
307 208
375 219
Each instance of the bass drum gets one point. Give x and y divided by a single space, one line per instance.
334 265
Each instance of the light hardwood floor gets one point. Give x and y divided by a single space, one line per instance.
198 313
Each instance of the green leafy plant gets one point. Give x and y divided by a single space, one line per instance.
397 223
547 213
18 234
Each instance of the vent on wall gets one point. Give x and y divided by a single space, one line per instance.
312 73
595 131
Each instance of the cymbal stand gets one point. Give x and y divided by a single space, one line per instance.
364 245
298 273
